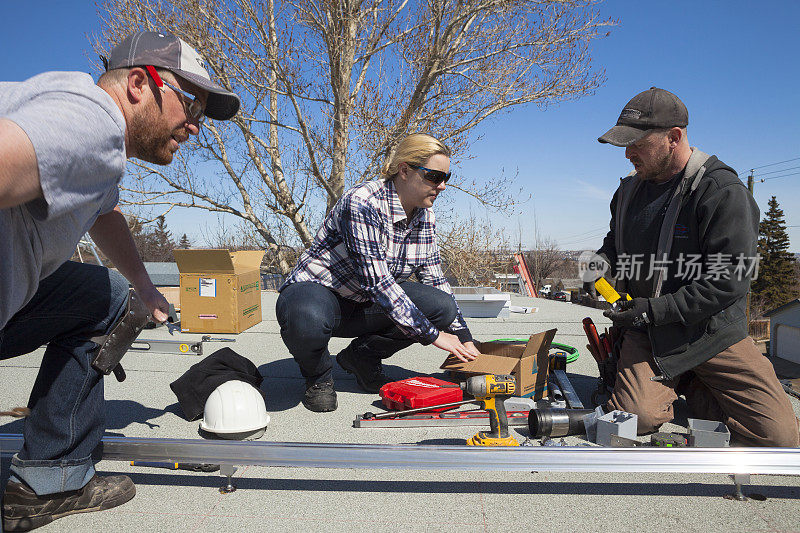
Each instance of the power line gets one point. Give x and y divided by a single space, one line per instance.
773 164
572 242
762 180
776 171
594 230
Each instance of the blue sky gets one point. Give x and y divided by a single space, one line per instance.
734 64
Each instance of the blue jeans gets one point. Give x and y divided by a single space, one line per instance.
67 418
310 314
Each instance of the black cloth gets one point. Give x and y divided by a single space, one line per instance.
195 386
643 225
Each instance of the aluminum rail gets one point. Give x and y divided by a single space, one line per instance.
427 457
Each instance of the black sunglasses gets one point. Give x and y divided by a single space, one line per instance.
434 176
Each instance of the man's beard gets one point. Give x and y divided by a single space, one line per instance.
148 133
659 170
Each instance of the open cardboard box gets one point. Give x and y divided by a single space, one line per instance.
172 295
528 362
220 290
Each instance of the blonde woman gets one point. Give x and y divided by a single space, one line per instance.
353 280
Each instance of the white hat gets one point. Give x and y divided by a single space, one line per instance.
235 410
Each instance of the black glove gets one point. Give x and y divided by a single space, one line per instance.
634 312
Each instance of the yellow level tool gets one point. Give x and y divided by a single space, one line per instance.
607 291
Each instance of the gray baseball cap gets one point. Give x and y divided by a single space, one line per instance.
651 109
164 50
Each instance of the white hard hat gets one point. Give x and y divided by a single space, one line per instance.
235 410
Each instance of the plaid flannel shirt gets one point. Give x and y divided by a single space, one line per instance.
366 246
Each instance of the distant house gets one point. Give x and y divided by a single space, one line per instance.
784 329
563 284
571 284
163 274
555 284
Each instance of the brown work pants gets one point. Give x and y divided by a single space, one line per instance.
737 386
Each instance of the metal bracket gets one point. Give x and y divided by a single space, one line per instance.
738 481
209 338
227 471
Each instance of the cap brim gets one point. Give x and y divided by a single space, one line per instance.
222 104
622 135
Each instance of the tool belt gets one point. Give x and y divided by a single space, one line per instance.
609 367
605 348
120 338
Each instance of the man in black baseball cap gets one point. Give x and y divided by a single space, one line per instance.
682 243
650 110
64 142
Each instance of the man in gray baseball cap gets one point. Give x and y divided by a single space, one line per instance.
682 243
154 50
64 142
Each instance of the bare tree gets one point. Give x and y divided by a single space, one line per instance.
330 86
243 236
544 260
472 252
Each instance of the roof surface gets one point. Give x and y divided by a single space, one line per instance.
305 499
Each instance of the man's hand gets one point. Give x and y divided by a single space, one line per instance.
155 302
634 312
450 343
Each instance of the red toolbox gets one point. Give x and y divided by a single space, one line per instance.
419 391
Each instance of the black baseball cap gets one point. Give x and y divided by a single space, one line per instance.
652 109
164 50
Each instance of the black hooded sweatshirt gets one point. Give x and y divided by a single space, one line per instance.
710 220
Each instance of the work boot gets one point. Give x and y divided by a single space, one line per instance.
320 397
368 371
23 510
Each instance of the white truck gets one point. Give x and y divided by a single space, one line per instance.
545 291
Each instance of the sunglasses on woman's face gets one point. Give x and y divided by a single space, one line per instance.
434 176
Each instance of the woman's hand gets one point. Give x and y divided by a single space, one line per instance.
450 343
470 346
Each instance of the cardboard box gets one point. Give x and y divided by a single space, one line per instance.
528 362
220 291
172 295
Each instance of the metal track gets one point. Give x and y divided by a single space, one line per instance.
417 457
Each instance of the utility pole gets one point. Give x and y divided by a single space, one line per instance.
750 185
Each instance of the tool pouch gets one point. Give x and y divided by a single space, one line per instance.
120 338
608 367
610 364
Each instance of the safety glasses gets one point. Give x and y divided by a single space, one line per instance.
434 176
194 109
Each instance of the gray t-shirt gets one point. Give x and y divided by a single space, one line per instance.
78 133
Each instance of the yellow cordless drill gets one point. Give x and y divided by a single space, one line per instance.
491 391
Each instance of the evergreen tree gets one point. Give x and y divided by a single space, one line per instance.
143 238
163 240
184 242
776 283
